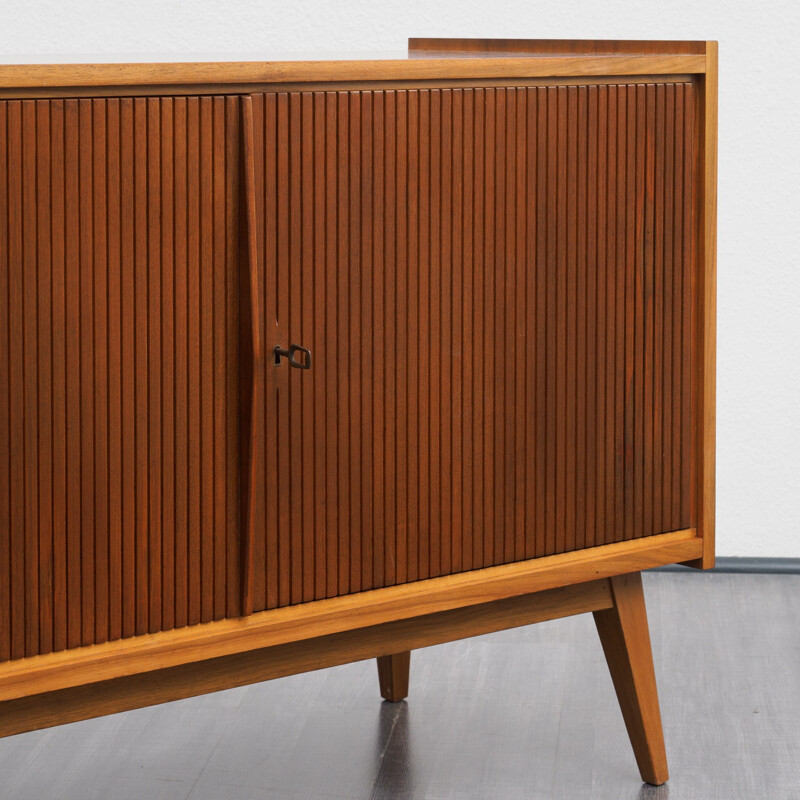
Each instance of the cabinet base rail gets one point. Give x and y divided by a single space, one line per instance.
617 604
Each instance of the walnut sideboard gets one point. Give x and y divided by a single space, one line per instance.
307 362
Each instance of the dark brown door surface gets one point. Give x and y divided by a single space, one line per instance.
118 347
495 286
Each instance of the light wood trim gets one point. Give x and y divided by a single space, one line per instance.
184 89
240 669
54 75
705 336
706 491
323 617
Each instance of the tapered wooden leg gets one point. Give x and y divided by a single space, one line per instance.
393 676
626 643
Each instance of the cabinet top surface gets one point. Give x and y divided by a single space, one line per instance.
426 59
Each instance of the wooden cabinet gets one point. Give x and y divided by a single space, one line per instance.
308 362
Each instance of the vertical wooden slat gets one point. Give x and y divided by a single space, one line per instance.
389 387
620 169
126 301
44 365
647 105
218 358
551 331
141 322
331 352
114 360
612 521
152 356
100 369
457 343
319 376
238 170
207 377
306 336
509 437
500 312
180 329
194 363
601 339
30 387
529 219
16 387
341 237
659 454
59 336
469 421
570 283
490 503
401 292
677 259
423 364
632 456
350 306
435 332
86 325
670 328
445 284
282 331
128 366
270 249
560 324
542 440
479 438
167 466
582 444
593 423
6 579
291 295
688 379
412 348
640 308
233 140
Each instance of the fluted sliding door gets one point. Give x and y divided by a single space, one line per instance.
494 286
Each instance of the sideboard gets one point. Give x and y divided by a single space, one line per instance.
304 362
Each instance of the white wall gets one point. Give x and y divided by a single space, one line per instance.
758 482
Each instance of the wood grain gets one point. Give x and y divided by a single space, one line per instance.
393 676
539 47
626 643
107 76
169 648
164 685
99 327
529 315
707 277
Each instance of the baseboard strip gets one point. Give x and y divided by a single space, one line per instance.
763 566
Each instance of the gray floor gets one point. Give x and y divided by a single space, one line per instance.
528 713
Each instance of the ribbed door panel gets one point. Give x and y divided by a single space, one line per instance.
118 348
496 287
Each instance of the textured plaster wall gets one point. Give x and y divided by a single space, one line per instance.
758 481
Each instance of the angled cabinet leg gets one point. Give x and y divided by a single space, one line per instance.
393 676
626 643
